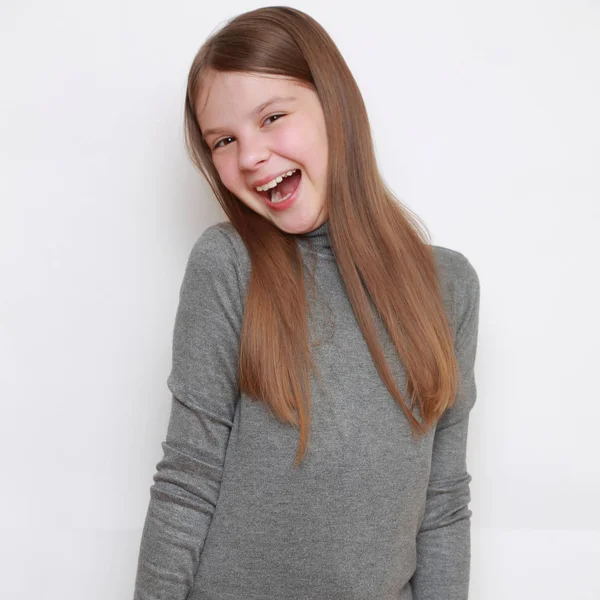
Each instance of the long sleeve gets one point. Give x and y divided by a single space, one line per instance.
444 538
204 387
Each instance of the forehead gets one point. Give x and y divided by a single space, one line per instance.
230 97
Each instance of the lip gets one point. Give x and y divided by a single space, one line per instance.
286 203
270 178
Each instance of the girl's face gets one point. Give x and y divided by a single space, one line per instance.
253 142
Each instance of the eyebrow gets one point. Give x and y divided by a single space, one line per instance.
254 112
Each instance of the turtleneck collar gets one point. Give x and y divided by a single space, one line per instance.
319 237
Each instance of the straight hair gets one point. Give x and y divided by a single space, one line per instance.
382 250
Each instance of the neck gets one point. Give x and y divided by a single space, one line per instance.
318 238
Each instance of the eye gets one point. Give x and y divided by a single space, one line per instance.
217 144
273 116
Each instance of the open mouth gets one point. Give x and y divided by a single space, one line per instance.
284 189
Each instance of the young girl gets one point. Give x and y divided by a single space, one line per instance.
323 351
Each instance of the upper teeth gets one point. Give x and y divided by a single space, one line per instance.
274 182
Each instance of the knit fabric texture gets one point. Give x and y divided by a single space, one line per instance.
370 514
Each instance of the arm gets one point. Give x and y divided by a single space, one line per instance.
444 539
204 387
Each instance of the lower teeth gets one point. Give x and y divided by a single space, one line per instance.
276 197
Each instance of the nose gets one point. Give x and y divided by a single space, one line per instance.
252 150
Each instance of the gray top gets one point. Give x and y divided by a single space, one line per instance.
369 514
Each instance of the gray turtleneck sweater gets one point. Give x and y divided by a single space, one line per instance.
370 514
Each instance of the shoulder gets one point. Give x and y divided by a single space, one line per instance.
219 245
215 241
219 254
453 265
459 282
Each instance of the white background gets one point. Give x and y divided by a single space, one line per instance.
486 122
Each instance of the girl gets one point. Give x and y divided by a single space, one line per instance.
323 351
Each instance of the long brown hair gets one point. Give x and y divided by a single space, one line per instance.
383 254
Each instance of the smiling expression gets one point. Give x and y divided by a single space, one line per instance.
251 142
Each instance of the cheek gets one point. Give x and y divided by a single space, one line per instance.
227 172
293 142
305 142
